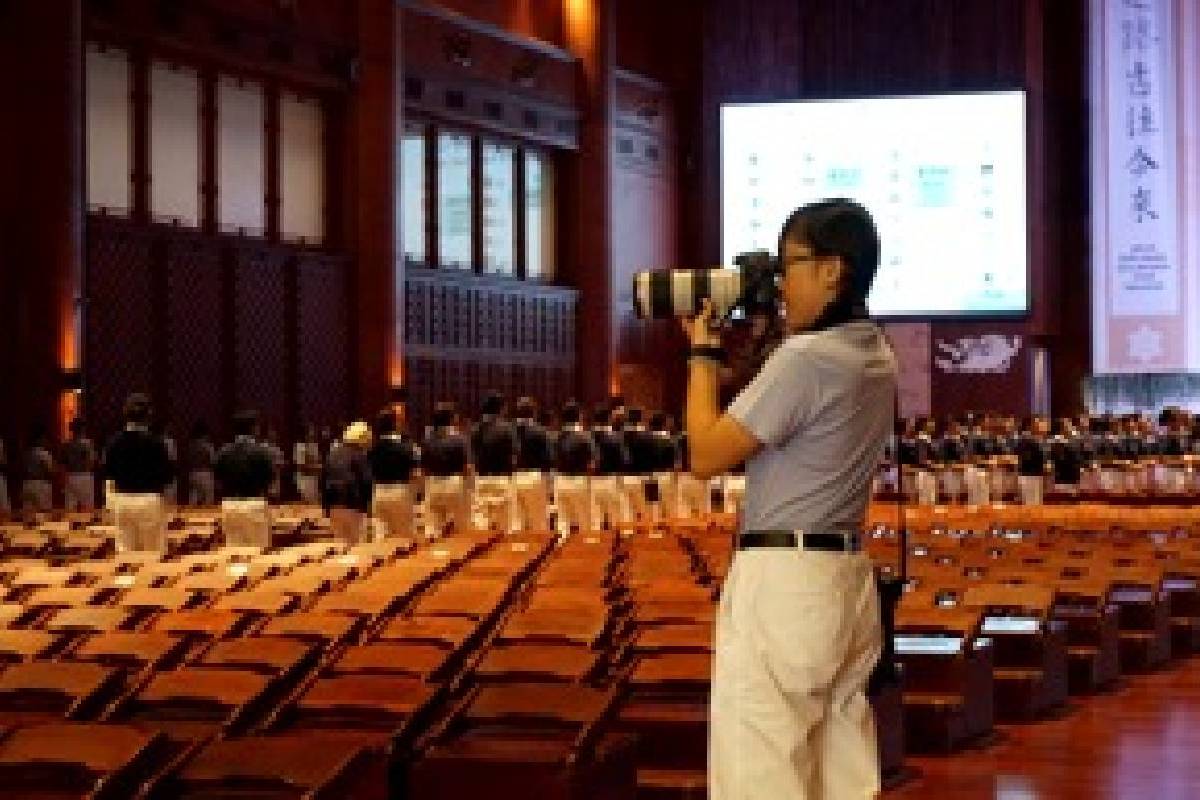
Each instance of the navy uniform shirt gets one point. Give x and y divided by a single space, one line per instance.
612 457
244 469
393 458
664 451
1031 456
639 443
951 450
445 453
576 451
534 450
346 479
137 462
494 445
1066 457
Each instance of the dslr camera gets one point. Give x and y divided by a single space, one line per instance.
751 288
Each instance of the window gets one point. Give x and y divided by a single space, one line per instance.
454 201
539 217
241 156
499 207
413 208
109 130
301 170
174 143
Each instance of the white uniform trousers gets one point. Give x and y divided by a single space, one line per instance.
608 502
633 488
667 505
79 492
952 484
495 503
797 636
37 496
445 504
979 487
695 496
308 486
392 504
5 503
1172 480
142 521
927 488
1112 481
246 522
532 501
999 480
1032 487
202 489
574 498
733 490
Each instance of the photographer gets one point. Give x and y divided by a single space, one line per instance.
798 630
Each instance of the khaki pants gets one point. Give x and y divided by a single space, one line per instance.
349 525
202 488
695 496
1172 480
1031 488
393 506
79 492
608 502
733 490
797 636
927 488
142 521
445 504
573 496
532 501
667 505
308 487
246 522
633 487
979 487
37 496
952 484
495 503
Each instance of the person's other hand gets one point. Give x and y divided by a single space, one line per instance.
698 329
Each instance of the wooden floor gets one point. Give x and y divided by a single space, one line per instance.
1139 742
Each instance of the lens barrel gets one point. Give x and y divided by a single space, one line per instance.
680 292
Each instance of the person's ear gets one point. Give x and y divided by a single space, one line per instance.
831 272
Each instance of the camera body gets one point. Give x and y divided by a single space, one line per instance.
750 289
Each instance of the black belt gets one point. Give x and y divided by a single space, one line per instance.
827 542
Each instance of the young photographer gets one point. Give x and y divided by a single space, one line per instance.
798 630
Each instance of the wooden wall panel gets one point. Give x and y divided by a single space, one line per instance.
534 19
121 331
322 328
260 332
194 340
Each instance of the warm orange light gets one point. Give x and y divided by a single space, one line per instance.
579 23
614 381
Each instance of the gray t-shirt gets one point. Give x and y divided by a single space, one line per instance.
822 407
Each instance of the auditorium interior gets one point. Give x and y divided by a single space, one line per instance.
301 227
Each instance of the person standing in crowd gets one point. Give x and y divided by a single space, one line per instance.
5 501
661 488
37 492
495 448
395 463
161 430
306 454
278 465
1032 461
446 460
798 628
200 457
346 485
140 468
951 453
1066 458
535 460
79 461
612 459
575 459
244 472
638 471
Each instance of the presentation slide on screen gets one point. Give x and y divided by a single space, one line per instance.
943 175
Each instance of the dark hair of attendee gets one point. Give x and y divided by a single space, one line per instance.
78 426
570 414
492 404
200 429
601 415
443 415
37 432
633 416
385 422
138 410
658 421
525 408
245 423
1027 424
842 228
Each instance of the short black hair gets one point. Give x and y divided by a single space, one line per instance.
245 422
658 421
570 413
78 425
526 408
138 409
493 404
385 422
633 416
443 415
842 228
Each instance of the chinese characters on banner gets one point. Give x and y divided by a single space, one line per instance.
1141 273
